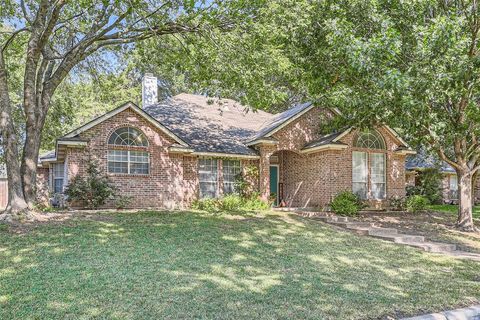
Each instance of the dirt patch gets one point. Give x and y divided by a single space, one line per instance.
434 226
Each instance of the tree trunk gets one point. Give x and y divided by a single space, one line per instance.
29 166
17 206
465 219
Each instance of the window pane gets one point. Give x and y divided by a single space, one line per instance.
139 168
359 167
378 177
360 189
118 155
58 170
117 167
58 185
453 183
231 170
127 136
138 156
208 177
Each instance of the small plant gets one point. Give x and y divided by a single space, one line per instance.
397 203
93 190
123 201
207 204
231 203
346 203
417 203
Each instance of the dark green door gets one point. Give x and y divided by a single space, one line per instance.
274 183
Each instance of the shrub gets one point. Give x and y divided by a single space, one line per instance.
208 204
254 202
346 203
123 201
93 190
427 185
417 203
231 203
397 203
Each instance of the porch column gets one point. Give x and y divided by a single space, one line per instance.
264 170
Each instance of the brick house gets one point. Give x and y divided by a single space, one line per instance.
188 147
415 165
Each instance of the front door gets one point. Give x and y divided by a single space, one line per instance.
274 183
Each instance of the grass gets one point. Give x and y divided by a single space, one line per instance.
196 265
450 208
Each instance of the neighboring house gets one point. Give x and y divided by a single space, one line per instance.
449 181
188 147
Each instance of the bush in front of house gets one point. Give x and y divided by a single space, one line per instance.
417 203
231 203
428 185
397 203
346 203
92 190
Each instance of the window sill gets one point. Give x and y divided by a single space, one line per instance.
128 175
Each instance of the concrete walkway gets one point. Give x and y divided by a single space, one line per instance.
390 234
471 313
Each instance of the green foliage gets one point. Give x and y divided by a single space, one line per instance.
231 203
397 203
121 202
346 203
417 203
92 190
428 185
245 182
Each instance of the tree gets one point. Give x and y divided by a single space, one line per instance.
58 35
413 65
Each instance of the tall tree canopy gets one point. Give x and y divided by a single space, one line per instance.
411 64
52 37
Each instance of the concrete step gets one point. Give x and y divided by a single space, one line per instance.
337 219
396 237
353 225
433 246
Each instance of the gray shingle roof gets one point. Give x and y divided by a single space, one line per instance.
47 155
422 160
326 139
210 125
280 118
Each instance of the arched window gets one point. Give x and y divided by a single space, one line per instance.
127 136
128 161
369 177
369 139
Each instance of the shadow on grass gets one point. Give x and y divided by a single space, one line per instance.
184 265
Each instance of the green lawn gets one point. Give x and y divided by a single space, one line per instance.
454 209
193 265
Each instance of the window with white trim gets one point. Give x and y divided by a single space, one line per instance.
208 177
360 174
369 139
58 176
231 170
128 161
378 179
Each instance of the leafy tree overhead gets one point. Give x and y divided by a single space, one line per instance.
54 37
411 64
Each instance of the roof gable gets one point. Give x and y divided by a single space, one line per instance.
110 114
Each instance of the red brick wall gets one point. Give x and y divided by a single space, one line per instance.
42 184
312 180
172 179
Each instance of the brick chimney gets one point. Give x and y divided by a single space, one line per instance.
149 90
